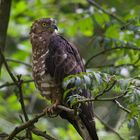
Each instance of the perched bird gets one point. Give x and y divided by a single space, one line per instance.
54 58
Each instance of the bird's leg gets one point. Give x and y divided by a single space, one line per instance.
53 108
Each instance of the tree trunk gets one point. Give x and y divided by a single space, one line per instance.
4 20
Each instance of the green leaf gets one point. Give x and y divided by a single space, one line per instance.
67 92
112 31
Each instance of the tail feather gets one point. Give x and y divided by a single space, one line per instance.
84 127
77 124
87 118
84 123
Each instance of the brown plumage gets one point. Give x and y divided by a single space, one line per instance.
54 58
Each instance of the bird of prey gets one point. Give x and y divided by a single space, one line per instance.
54 58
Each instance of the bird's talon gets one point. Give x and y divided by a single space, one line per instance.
51 110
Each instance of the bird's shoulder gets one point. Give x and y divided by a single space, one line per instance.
57 39
59 42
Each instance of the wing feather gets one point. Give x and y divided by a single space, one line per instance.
63 59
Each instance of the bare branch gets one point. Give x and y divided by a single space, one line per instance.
31 122
106 99
21 100
122 107
18 83
109 50
105 11
7 67
13 84
42 134
109 127
118 66
17 61
105 90
102 99
24 126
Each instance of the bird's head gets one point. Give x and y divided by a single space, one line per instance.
44 25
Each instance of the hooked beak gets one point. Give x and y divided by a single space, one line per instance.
54 27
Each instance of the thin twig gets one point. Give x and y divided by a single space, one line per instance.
18 61
42 134
114 99
109 127
118 66
108 50
122 107
25 125
13 84
18 83
106 11
21 100
4 135
7 67
31 122
105 90
102 99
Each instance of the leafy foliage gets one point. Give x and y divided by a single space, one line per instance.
110 48
101 83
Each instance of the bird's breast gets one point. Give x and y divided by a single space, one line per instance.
43 80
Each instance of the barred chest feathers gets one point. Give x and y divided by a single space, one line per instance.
43 81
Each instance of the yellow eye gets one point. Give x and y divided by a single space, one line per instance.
44 24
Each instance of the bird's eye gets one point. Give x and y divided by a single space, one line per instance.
44 24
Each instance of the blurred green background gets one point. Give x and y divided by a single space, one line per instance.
92 31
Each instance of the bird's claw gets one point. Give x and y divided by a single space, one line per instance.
52 110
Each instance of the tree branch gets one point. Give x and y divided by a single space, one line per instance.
4 19
17 61
122 65
24 126
118 66
31 122
105 90
109 127
109 50
122 107
21 100
105 11
18 83
7 67
106 99
102 99
42 134
13 84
